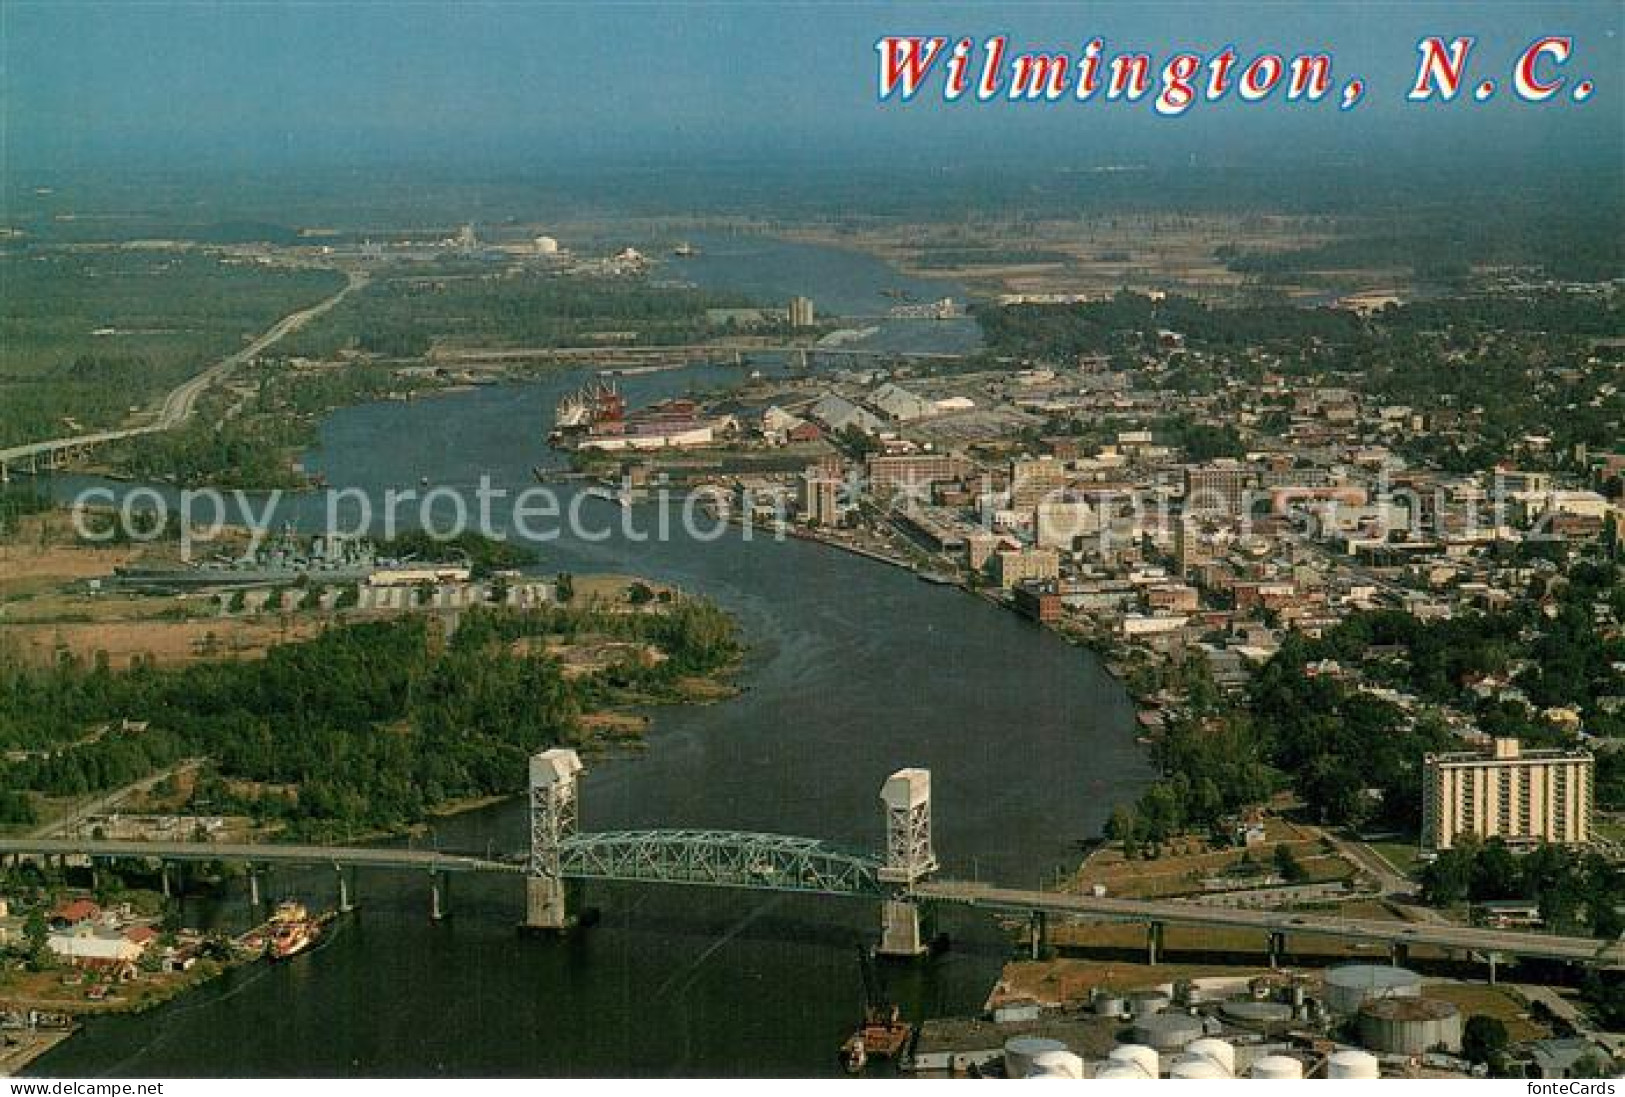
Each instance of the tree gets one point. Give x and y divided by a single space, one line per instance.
1286 863
566 586
37 936
1484 1039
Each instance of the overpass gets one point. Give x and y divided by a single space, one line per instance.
1277 924
900 878
179 403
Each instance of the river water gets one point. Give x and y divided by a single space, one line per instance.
854 669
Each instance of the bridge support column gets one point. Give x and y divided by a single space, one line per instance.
1038 932
910 858
1153 942
345 905
1399 954
163 879
437 900
553 818
900 934
1277 947
253 887
1493 958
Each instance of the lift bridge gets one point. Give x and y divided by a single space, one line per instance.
561 854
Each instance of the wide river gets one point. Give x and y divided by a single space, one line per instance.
854 669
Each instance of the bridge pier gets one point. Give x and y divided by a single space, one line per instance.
1492 957
553 817
1038 931
1153 942
345 905
163 878
253 887
910 858
437 899
1399 954
1277 947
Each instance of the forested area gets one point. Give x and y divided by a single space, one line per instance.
88 334
366 726
401 317
1575 890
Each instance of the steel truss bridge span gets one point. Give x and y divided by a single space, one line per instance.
720 858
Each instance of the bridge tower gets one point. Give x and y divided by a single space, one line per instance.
910 858
553 817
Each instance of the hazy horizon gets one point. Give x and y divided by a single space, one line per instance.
489 88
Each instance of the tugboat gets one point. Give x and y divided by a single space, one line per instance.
883 1034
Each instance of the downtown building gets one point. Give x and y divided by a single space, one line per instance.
1520 796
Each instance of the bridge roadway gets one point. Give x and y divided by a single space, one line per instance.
181 401
261 853
627 856
1167 912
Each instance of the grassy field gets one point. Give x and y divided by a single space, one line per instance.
88 335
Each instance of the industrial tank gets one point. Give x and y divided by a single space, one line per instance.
1352 1063
1056 1064
1138 1057
1167 1031
1277 1067
1259 1016
1020 1052
1193 1067
1110 1005
1119 1072
1143 1003
1220 1053
1351 986
1410 1026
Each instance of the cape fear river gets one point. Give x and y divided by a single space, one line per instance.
854 669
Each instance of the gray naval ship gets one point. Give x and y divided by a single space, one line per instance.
286 559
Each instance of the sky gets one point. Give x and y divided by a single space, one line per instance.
287 83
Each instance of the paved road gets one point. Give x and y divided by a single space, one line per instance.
101 804
427 860
1505 942
181 401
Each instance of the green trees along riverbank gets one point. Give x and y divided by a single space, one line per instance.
369 725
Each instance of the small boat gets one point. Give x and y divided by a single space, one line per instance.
423 480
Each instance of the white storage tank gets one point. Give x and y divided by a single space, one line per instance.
1194 1067
1353 985
1056 1064
1276 1067
1352 1063
1142 1058
1119 1072
1218 1052
1021 1052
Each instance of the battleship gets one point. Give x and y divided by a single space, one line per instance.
332 559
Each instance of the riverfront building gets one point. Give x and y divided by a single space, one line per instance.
1510 793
